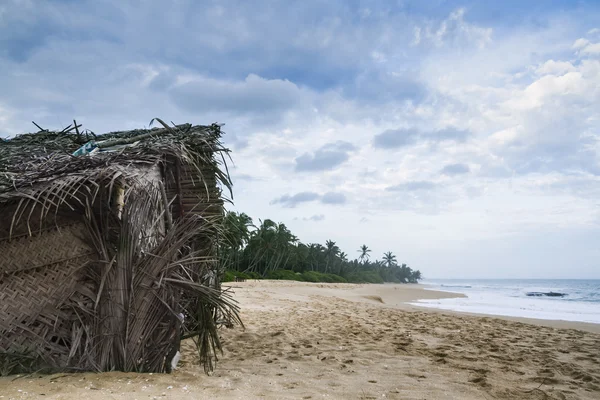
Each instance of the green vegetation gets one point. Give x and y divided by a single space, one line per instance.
271 251
229 276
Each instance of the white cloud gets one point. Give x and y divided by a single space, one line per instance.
592 48
580 43
252 95
552 67
454 30
548 86
506 136
417 36
378 56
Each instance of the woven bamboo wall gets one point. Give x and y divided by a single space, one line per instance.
38 272
51 246
194 198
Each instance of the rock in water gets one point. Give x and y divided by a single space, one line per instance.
549 294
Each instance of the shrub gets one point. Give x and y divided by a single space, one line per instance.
253 275
308 276
364 277
312 276
231 275
284 274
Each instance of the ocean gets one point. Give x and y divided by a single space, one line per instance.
509 297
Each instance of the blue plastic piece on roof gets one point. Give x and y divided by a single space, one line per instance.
85 149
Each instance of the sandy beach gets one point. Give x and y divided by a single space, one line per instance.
343 341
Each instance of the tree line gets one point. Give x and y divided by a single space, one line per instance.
270 250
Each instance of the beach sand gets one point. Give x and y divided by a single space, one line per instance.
342 341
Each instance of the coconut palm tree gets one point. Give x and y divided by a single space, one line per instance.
270 246
364 253
415 277
234 236
389 259
343 257
331 252
316 256
237 229
405 273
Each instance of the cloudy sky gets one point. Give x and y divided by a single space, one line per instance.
462 136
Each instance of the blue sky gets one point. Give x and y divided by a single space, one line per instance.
463 136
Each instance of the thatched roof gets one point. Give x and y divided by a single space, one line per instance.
32 158
108 240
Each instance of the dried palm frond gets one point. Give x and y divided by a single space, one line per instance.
144 299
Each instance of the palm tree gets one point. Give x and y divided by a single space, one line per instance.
236 232
415 277
364 253
317 256
405 273
342 264
343 257
389 259
269 247
331 251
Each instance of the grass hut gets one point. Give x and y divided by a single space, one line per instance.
108 248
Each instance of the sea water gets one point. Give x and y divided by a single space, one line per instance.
508 297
